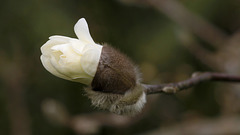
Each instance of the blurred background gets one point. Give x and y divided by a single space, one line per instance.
168 39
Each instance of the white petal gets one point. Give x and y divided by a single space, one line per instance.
67 54
86 80
82 31
72 70
46 48
77 46
49 67
55 40
61 39
90 60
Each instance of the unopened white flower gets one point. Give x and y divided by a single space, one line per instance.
70 58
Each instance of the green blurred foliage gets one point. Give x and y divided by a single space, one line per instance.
142 33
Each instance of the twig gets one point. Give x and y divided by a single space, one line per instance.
197 78
14 86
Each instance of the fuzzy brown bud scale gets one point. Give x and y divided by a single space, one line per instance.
115 72
116 85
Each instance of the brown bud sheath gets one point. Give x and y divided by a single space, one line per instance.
115 72
116 85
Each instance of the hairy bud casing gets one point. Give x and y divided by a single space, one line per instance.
115 72
116 85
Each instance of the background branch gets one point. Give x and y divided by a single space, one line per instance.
199 26
197 78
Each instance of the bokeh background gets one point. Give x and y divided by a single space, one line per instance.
168 39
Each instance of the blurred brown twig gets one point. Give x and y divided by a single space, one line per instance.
12 74
194 23
197 78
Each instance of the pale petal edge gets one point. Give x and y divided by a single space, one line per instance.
49 67
82 31
90 60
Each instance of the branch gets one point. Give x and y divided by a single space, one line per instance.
197 78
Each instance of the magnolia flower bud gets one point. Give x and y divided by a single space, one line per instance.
72 59
113 80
